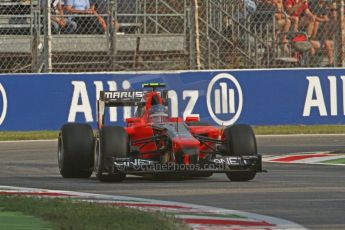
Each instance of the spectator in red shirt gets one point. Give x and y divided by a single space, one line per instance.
300 14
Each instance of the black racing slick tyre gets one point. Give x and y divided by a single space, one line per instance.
75 150
112 142
240 141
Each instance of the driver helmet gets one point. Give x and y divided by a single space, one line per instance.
158 114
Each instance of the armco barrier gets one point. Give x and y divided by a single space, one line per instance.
264 97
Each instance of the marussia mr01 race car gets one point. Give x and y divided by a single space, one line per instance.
153 143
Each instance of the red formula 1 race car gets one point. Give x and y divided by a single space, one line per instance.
155 144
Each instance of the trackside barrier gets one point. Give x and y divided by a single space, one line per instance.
256 97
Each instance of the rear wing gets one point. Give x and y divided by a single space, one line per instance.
124 98
117 99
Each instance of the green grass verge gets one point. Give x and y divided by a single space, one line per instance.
31 135
65 214
17 220
259 130
300 129
337 161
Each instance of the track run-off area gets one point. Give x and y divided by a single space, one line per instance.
311 195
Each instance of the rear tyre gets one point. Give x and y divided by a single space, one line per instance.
75 150
112 142
240 141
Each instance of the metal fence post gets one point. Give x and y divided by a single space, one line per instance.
47 39
185 31
208 22
341 40
191 31
197 35
35 36
112 33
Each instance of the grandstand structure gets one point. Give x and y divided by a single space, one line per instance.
159 35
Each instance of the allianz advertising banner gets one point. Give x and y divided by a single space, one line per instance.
256 97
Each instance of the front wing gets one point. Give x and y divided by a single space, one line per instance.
221 164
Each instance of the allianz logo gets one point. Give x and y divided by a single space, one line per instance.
324 98
224 103
224 100
3 106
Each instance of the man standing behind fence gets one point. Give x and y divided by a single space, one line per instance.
330 31
319 8
86 17
102 8
59 23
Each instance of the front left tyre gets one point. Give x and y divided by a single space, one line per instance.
75 150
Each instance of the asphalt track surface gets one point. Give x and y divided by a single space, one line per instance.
310 195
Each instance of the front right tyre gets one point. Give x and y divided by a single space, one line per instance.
240 141
112 142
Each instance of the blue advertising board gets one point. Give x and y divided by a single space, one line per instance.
256 97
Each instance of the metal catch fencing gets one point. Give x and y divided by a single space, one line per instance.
133 35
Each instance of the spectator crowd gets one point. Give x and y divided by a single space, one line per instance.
310 21
79 16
